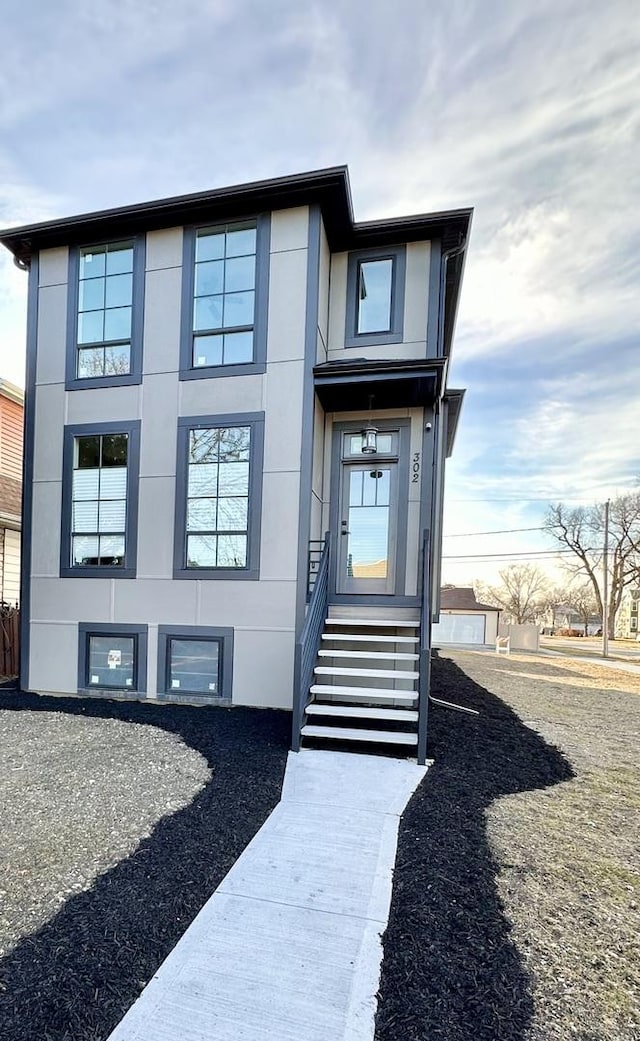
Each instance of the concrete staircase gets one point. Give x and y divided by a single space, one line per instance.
365 686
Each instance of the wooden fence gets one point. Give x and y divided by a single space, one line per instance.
9 640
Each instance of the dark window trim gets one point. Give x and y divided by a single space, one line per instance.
137 319
224 636
132 428
87 629
352 338
259 363
255 420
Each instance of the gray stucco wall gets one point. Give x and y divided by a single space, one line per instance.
262 613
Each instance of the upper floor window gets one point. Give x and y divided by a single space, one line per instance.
219 488
375 297
100 499
375 278
105 311
225 299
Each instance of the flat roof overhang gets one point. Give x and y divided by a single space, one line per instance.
358 386
329 188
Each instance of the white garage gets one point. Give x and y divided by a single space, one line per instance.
459 628
463 620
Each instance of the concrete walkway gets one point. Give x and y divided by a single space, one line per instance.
288 947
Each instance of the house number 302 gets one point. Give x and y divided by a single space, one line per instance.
415 468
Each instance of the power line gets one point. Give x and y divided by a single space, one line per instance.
542 554
541 498
500 531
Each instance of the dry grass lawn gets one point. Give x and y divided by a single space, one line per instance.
569 855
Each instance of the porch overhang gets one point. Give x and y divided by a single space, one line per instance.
361 385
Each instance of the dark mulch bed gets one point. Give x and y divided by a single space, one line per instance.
451 970
74 978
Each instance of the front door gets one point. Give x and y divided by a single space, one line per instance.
368 525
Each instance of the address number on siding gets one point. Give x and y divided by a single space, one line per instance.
415 468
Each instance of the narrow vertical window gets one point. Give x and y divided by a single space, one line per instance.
218 497
224 295
375 296
99 500
105 305
375 280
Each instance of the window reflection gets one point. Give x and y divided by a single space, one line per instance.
374 295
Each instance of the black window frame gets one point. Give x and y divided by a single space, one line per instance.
397 254
254 420
134 376
258 365
70 433
140 635
222 635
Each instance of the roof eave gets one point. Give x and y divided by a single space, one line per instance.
329 188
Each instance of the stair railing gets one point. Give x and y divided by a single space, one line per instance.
308 645
424 682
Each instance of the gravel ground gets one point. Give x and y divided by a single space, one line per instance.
77 796
515 908
118 822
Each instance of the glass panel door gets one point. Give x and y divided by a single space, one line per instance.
368 528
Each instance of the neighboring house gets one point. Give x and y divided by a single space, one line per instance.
221 387
566 617
464 620
11 410
627 616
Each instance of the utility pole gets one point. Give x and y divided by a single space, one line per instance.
605 584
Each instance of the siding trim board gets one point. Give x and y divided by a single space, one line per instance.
137 321
132 428
308 410
27 470
259 363
255 420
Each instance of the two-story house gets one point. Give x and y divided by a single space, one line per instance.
237 423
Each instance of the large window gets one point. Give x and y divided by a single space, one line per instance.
218 497
195 663
100 499
375 297
219 482
224 299
105 308
112 657
99 512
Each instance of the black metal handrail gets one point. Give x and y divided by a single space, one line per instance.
308 644
424 682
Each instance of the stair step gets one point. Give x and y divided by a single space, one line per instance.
402 715
343 670
371 655
374 623
377 693
359 638
371 736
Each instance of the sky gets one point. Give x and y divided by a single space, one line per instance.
530 113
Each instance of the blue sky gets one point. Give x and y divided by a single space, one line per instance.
527 112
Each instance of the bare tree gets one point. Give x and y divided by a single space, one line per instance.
581 530
582 599
521 593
